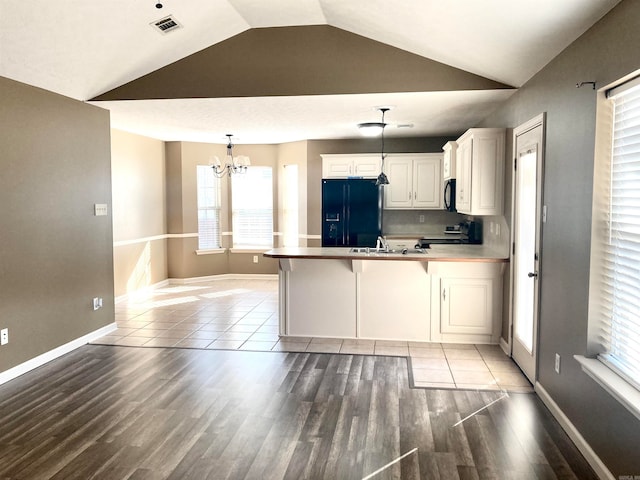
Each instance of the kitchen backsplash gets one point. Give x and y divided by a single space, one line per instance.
495 233
418 222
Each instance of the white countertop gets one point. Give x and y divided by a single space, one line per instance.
441 253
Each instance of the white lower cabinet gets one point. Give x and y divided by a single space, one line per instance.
467 304
467 300
458 302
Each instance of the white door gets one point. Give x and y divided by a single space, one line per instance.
527 206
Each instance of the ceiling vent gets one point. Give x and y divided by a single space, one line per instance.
166 24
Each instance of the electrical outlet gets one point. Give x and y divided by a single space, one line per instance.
4 336
421 219
97 303
556 367
255 259
100 209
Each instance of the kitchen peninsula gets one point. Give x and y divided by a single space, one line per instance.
448 293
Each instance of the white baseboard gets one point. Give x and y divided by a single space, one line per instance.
55 353
224 276
506 348
598 466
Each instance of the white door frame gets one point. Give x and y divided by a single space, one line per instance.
539 120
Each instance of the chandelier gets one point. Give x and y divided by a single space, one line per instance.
232 164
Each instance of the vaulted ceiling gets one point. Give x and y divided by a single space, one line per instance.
285 70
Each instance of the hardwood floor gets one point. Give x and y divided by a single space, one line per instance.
242 314
113 412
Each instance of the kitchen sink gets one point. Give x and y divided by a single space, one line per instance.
375 251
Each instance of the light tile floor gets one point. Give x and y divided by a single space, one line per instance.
243 315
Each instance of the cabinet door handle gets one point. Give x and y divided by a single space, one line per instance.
444 295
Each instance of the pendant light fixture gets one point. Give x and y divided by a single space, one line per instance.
372 129
382 178
232 164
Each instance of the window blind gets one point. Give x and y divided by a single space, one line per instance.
620 298
209 208
252 213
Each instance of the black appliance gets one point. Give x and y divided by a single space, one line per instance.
351 212
472 230
426 242
469 232
450 195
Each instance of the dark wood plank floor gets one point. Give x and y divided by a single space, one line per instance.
140 413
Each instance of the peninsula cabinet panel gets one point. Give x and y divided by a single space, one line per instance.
394 301
387 299
321 299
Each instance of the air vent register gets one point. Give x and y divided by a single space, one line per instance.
166 24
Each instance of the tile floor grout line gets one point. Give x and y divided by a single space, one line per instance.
257 314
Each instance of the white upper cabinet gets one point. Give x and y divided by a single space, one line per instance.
415 181
449 161
351 165
480 159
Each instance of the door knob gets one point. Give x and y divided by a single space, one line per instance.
532 274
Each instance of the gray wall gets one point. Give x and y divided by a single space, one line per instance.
55 255
139 211
605 53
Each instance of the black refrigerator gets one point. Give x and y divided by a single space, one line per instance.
351 212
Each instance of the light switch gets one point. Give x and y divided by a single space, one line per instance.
100 209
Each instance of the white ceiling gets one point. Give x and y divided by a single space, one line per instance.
81 49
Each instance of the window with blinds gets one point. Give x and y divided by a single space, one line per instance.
619 260
209 208
252 208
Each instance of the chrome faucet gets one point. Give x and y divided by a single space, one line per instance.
381 244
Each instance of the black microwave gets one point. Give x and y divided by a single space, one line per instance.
450 195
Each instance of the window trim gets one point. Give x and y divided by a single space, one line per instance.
249 249
592 364
614 384
211 251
